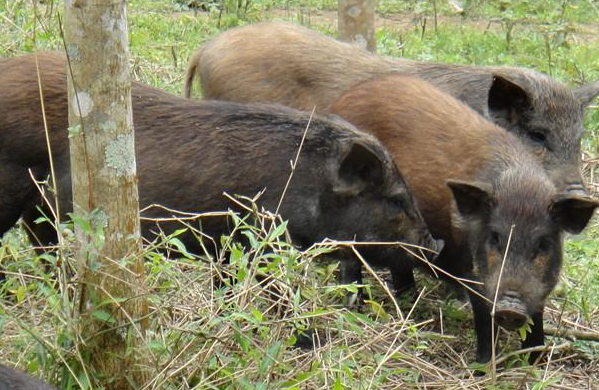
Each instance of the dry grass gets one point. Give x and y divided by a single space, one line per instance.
219 324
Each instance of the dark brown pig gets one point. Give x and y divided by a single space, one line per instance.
11 379
295 66
345 186
481 191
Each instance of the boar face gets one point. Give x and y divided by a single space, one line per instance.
366 199
516 232
548 118
376 198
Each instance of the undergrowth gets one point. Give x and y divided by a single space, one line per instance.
232 321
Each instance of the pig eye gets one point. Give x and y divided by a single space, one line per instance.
400 201
494 240
537 137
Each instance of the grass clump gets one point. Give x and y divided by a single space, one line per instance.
229 322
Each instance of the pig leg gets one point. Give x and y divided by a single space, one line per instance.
536 336
15 191
483 329
403 277
42 234
8 218
351 272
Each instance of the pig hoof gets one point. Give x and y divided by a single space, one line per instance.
352 300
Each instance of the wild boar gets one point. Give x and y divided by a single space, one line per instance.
345 185
481 191
11 379
295 66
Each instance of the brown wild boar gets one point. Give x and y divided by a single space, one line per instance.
474 183
11 379
295 66
345 186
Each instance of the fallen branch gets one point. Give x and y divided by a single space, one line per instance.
539 348
571 334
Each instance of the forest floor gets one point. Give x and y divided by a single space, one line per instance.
238 337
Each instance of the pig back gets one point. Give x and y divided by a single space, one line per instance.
21 118
11 379
282 63
433 138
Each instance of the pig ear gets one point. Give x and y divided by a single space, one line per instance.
473 200
572 212
360 169
587 93
507 100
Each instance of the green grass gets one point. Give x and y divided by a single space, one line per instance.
236 337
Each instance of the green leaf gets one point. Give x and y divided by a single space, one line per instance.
378 310
355 318
40 220
292 384
178 232
279 230
82 223
478 367
104 316
20 293
236 254
257 315
174 241
245 317
271 354
525 329
32 366
338 385
157 345
252 238
48 257
243 342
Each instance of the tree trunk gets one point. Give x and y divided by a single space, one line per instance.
105 197
356 23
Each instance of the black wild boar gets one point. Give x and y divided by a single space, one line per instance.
473 181
295 66
346 185
11 379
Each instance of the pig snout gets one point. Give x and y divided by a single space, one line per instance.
576 188
510 311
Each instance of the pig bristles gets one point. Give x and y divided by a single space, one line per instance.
294 162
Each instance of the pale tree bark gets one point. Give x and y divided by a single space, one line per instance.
113 314
356 23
